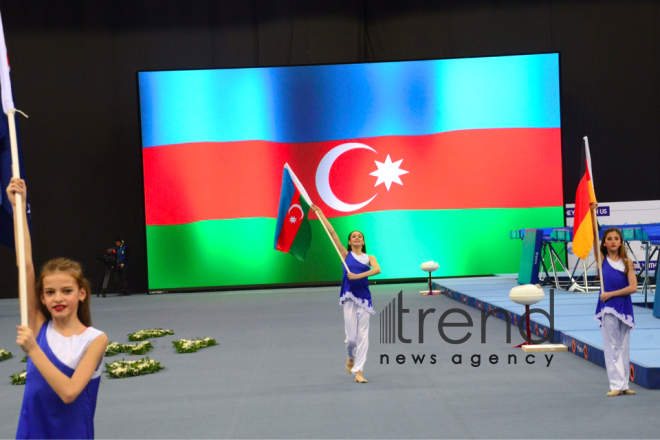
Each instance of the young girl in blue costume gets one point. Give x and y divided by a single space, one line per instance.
614 310
64 361
354 296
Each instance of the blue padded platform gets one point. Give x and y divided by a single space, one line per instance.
574 323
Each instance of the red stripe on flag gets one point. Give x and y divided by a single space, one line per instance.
491 168
289 229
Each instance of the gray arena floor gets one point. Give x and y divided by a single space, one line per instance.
278 372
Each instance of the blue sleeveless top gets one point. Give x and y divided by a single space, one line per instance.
44 414
619 306
356 290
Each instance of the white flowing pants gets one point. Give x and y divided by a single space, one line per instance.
356 324
616 347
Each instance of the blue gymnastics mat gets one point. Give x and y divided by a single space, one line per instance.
574 323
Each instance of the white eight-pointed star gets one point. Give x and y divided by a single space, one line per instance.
388 172
293 219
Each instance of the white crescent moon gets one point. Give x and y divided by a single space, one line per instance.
299 207
323 178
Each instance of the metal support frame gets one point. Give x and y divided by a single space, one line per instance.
575 279
586 288
648 257
548 250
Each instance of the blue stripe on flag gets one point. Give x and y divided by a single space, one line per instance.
350 101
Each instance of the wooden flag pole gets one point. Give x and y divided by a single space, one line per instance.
597 249
18 213
594 224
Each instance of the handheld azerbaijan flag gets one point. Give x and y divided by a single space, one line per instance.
293 233
583 232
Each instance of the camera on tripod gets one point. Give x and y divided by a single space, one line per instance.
115 260
109 259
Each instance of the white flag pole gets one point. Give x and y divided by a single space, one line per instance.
309 201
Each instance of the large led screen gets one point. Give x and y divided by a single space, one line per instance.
431 160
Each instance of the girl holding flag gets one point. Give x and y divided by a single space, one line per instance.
614 310
65 359
354 296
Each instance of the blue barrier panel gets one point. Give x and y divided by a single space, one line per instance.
531 257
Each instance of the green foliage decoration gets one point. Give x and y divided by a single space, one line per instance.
141 335
139 348
188 346
4 355
18 378
121 369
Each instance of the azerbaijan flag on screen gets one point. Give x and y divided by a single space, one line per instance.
431 160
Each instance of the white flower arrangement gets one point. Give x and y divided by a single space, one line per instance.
188 346
149 333
4 355
115 347
18 378
122 368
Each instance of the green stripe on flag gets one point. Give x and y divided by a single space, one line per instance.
240 252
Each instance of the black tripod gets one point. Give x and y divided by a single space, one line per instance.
117 275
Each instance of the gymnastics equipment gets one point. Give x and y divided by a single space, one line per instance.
430 266
537 249
528 273
527 295
648 234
